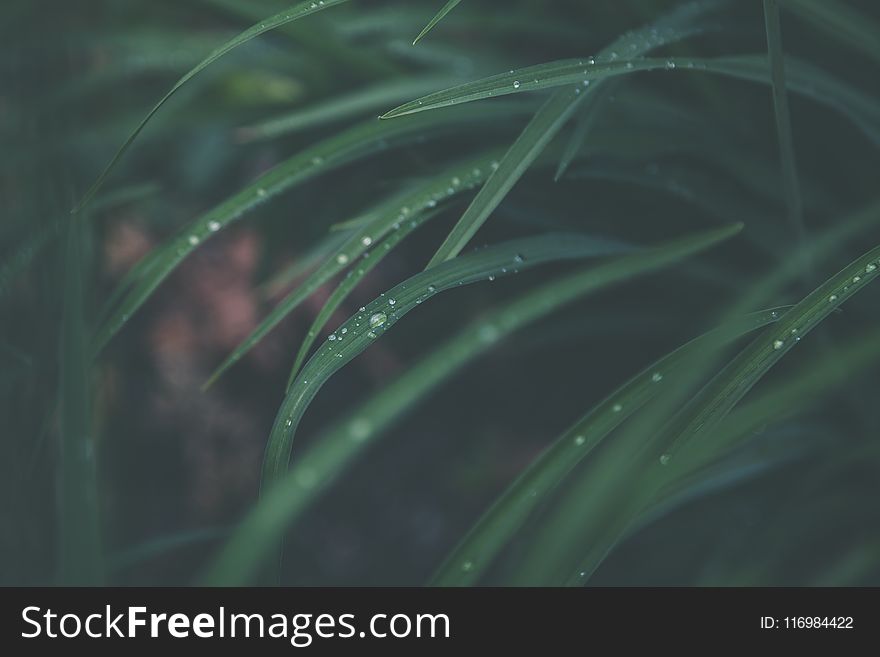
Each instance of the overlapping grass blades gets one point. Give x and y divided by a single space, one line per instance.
317 468
499 524
551 118
356 334
357 142
389 218
633 466
294 13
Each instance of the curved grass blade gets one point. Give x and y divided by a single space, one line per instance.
440 15
369 260
506 516
802 78
339 445
460 178
550 119
791 185
282 18
358 142
842 21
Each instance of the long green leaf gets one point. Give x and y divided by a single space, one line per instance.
439 16
282 18
802 78
338 446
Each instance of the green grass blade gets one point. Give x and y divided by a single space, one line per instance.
460 178
802 78
360 141
528 146
339 445
791 185
841 21
439 16
80 560
506 516
369 260
291 14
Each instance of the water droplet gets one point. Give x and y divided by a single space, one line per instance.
518 258
372 335
670 64
871 267
664 459
366 240
579 440
344 331
391 302
213 226
456 181
331 337
377 319
467 566
629 65
516 84
261 192
656 377
342 258
778 344
856 279
431 203
193 239
832 298
617 408
491 277
317 161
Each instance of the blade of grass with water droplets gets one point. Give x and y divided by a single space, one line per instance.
802 78
339 445
509 512
293 13
439 16
358 142
459 178
369 260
